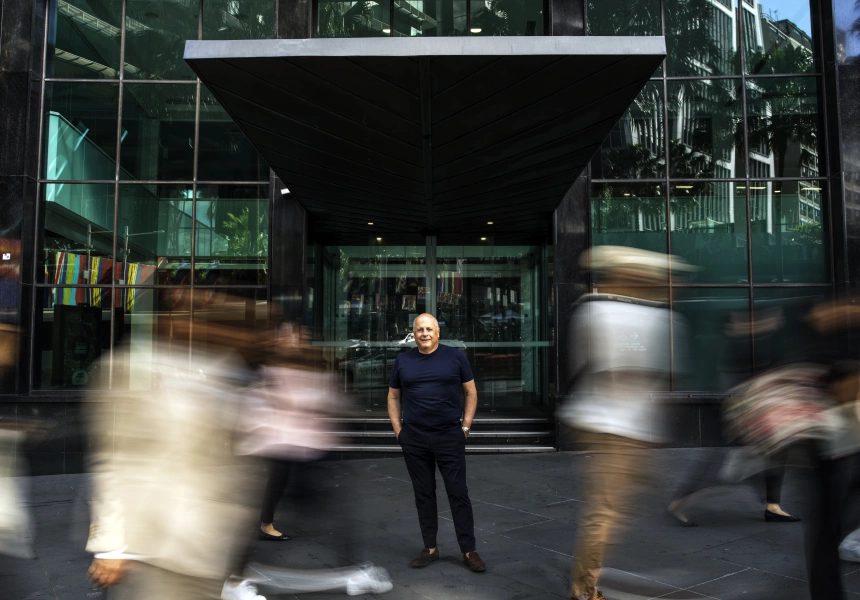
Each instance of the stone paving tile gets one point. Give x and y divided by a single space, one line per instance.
749 583
526 513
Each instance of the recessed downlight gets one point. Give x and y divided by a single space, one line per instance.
684 187
378 239
370 222
489 222
475 30
483 239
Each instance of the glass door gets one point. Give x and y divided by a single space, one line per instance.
488 300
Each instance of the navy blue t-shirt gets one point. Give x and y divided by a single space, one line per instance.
431 387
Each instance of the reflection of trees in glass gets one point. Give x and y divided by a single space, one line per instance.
699 39
783 112
786 58
705 121
346 19
156 31
620 207
238 19
245 238
631 162
634 149
508 17
623 17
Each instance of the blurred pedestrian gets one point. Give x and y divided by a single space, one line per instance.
171 503
284 423
424 405
620 342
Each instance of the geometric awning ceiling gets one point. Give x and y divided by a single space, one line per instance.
427 134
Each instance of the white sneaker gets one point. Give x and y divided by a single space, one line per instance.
850 551
244 591
368 580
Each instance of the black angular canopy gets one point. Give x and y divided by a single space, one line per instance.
435 134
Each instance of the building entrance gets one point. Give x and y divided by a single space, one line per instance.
489 300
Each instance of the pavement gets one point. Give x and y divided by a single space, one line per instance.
526 513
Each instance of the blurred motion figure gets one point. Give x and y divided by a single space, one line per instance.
172 503
620 342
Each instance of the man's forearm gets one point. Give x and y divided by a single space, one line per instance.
470 406
394 414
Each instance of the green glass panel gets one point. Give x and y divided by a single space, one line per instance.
784 126
778 37
80 130
72 337
706 129
238 19
78 235
621 17
232 235
158 131
225 153
789 232
156 32
634 148
429 18
709 230
154 234
507 17
362 18
701 38
783 335
713 351
85 39
149 318
629 214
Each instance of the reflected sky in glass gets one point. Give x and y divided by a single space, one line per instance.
796 11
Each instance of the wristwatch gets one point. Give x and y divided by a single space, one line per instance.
466 430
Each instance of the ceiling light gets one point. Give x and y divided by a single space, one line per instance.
811 189
378 239
386 30
626 194
777 191
742 187
285 191
483 239
758 187
684 187
475 30
489 222
370 222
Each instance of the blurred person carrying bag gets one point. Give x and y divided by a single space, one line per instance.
780 407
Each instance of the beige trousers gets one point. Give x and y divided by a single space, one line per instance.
614 473
145 582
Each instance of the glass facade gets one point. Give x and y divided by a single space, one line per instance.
719 160
430 18
150 192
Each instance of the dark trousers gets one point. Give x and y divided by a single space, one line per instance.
447 451
832 481
279 471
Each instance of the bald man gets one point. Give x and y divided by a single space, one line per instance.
424 395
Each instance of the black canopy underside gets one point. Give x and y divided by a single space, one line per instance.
437 135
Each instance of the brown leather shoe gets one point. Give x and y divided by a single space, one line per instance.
425 558
474 562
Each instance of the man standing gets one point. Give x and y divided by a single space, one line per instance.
428 381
